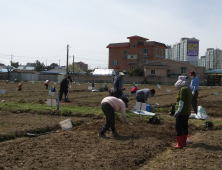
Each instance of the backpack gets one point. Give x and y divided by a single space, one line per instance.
154 120
209 124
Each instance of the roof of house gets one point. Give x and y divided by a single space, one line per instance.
151 43
137 37
184 63
25 71
125 44
214 71
140 43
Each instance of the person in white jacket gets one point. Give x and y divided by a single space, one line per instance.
47 84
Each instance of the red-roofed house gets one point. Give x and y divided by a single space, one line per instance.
136 52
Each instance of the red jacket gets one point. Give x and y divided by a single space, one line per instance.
134 89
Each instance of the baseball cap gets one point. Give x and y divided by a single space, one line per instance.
192 73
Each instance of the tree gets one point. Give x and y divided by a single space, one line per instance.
53 65
76 68
137 72
39 66
15 64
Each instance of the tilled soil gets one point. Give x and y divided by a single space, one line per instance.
205 152
81 148
11 122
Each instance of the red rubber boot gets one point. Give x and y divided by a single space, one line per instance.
184 140
179 142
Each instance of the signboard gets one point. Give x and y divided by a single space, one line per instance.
192 48
52 94
51 102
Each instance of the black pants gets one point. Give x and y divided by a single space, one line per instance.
118 93
61 93
139 100
46 86
194 101
109 112
182 125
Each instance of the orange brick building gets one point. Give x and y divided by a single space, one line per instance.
136 52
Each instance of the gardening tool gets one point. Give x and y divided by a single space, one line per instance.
34 135
149 108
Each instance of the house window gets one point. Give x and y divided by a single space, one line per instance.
156 50
134 46
144 62
132 68
145 51
125 52
161 52
183 70
115 62
153 72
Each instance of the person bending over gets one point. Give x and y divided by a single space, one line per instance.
110 105
143 94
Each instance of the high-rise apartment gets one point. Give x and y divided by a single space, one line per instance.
186 50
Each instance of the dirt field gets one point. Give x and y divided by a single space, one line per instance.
141 146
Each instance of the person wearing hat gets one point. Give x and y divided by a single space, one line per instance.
194 87
118 85
110 105
143 94
64 87
183 107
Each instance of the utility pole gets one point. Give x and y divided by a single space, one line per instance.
73 64
67 63
11 59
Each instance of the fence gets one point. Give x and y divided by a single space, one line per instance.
97 79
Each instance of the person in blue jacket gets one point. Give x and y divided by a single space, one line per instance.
194 87
118 85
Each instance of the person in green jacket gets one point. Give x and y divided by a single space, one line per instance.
183 107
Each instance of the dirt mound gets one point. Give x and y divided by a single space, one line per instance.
22 101
40 102
81 148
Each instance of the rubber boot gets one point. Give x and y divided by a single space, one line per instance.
184 140
179 142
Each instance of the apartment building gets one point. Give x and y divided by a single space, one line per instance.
169 52
176 52
186 50
213 59
138 51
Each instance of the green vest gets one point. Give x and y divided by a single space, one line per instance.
185 95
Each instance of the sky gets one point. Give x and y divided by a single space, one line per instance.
33 30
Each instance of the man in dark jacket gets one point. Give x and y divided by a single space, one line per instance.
64 87
118 85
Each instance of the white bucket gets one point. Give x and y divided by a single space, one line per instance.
66 124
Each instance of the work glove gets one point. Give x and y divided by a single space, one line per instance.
193 93
176 114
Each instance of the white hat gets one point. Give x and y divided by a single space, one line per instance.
121 74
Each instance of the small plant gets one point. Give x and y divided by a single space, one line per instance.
66 112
